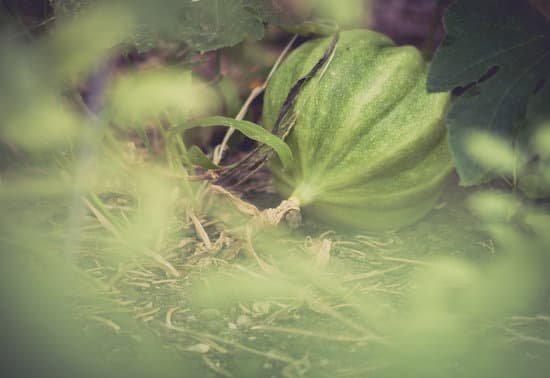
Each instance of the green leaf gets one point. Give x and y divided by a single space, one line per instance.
202 24
143 95
250 129
505 38
197 157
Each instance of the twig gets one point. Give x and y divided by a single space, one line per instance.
516 335
368 275
102 219
164 264
201 232
408 261
315 334
250 249
109 323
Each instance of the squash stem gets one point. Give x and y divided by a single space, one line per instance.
304 194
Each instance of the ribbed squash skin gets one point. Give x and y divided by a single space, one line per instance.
370 148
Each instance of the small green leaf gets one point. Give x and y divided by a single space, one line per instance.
501 48
197 157
250 129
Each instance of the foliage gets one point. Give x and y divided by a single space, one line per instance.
34 75
202 25
249 129
500 52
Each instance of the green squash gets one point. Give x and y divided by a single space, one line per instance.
369 144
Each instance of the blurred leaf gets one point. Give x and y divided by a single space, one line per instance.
542 141
540 223
348 14
537 117
77 48
535 186
251 130
33 77
440 280
145 95
494 207
23 185
48 125
224 290
33 117
149 223
492 153
506 38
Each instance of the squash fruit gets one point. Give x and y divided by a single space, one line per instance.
369 144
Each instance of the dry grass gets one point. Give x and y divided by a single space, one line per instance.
329 280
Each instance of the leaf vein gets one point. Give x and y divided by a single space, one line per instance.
508 90
499 53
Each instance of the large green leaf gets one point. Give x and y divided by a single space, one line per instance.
500 51
202 24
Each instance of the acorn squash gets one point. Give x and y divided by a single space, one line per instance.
369 144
